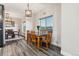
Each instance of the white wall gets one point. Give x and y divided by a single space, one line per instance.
70 29
56 12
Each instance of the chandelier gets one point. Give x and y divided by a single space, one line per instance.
28 13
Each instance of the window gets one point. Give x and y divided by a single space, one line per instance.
46 23
43 22
49 21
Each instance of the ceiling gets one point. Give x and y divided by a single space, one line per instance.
18 9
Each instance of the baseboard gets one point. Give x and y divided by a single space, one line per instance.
65 53
56 44
55 48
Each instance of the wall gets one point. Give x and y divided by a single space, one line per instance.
56 12
70 29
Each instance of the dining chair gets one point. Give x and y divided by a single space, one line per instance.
33 38
47 39
28 37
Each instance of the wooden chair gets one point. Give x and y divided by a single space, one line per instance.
47 39
33 38
28 37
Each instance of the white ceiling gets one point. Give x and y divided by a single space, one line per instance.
19 8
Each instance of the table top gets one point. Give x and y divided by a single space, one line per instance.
40 34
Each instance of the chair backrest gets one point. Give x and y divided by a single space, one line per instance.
28 34
49 36
33 36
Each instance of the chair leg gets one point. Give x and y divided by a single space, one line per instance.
41 44
30 42
47 45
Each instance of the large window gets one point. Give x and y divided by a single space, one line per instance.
46 23
49 21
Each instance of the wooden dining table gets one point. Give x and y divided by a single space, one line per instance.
39 39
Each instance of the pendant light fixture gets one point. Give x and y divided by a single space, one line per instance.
28 12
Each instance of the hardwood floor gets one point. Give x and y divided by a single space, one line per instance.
21 48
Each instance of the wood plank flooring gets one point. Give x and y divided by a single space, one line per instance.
21 48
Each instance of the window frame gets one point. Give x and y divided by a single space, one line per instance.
46 21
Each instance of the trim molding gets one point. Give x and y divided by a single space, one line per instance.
56 44
65 53
55 48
